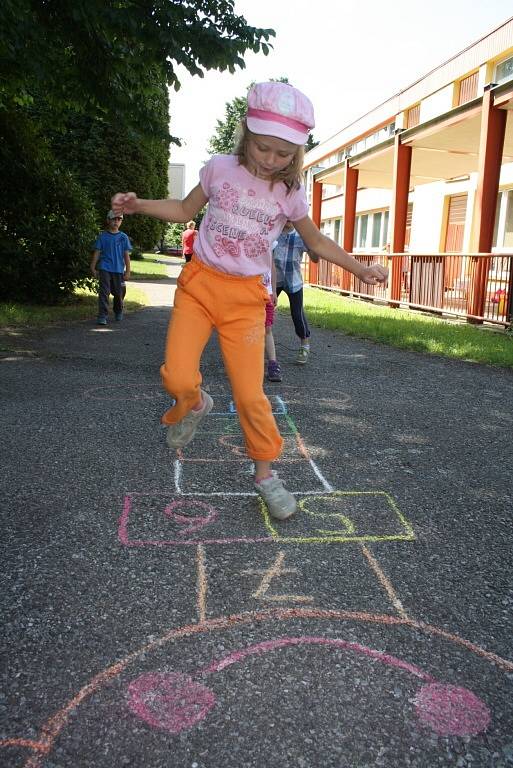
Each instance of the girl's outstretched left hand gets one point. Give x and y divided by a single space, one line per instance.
373 274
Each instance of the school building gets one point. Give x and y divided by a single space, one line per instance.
424 183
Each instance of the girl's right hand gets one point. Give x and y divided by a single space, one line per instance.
125 202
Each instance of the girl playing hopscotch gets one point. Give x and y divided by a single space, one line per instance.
250 195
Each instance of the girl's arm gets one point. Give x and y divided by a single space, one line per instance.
178 211
327 249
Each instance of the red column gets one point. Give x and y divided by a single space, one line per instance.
313 269
350 193
399 211
493 126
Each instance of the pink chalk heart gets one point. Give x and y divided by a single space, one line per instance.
451 711
169 701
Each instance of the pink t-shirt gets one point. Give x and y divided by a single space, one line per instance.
244 217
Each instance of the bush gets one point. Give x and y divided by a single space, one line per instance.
47 222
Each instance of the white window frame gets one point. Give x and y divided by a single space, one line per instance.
383 232
497 64
504 194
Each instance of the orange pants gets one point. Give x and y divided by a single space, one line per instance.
235 306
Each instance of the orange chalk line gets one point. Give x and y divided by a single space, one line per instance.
202 585
35 746
384 581
52 728
273 572
303 450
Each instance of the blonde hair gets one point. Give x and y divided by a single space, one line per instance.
190 224
291 176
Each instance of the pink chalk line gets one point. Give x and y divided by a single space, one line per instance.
175 702
128 542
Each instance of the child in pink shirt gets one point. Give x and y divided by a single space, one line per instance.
250 195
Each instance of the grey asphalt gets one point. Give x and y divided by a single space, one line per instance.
154 616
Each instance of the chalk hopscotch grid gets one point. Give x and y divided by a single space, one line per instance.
274 534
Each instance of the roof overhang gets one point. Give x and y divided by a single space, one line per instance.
445 148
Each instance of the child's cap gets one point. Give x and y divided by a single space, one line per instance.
279 109
112 215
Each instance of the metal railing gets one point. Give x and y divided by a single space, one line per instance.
475 286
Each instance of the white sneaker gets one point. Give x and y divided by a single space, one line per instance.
181 433
302 355
280 502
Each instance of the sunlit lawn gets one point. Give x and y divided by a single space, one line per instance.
83 306
405 329
148 268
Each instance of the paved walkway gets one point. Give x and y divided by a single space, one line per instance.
161 292
155 616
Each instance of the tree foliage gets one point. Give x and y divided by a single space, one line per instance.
84 112
110 49
104 157
47 221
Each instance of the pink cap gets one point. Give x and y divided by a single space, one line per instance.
279 109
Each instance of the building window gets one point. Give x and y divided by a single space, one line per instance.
503 231
456 217
362 230
413 116
336 235
384 237
504 70
468 88
330 190
376 229
371 231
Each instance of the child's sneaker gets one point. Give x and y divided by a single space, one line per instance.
302 355
181 433
280 502
273 370
119 316
102 320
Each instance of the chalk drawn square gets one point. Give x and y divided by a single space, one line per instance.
224 405
227 476
342 516
162 519
229 447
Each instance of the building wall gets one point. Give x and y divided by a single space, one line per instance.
176 180
435 94
439 102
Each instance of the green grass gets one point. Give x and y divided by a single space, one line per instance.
405 329
83 306
147 268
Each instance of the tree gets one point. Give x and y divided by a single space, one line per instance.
223 140
47 222
81 115
96 55
104 157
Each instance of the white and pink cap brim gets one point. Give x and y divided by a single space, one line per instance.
268 124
